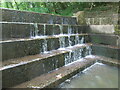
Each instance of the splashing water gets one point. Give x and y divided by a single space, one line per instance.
36 29
62 42
68 58
77 39
70 43
45 46
44 29
88 50
34 33
82 40
69 30
61 29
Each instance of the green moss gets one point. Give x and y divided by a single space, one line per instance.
117 30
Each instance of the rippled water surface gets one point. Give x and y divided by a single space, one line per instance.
97 76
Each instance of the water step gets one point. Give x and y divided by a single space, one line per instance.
105 39
58 76
22 47
106 50
23 69
10 15
110 61
27 30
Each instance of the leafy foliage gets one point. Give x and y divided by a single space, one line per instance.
59 8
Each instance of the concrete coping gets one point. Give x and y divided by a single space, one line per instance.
4 22
41 37
56 77
24 11
29 59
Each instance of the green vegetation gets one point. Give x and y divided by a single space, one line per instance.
58 8
117 29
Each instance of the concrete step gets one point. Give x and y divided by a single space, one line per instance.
23 47
106 50
105 39
27 30
109 61
56 77
10 15
23 69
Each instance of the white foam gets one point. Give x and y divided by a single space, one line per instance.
90 56
97 63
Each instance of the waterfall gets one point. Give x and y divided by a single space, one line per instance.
44 29
80 53
68 58
69 30
88 50
77 39
36 29
45 46
82 40
34 33
70 43
62 42
61 29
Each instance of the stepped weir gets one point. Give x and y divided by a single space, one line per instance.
43 50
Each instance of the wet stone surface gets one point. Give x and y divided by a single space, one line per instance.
107 51
13 30
104 39
24 16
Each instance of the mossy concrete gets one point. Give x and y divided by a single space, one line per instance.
52 80
107 51
105 39
24 69
10 15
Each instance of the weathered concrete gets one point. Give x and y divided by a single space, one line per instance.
16 49
24 47
109 61
107 51
14 30
24 69
102 29
56 77
104 39
33 17
26 30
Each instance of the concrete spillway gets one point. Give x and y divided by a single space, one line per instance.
36 46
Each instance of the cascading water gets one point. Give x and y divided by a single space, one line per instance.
69 29
68 58
62 42
80 53
82 40
61 29
45 46
70 43
44 29
34 33
88 50
77 41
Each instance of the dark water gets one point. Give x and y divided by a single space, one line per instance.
97 76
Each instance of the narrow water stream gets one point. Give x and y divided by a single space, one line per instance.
97 76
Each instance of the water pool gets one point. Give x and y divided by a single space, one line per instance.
96 76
